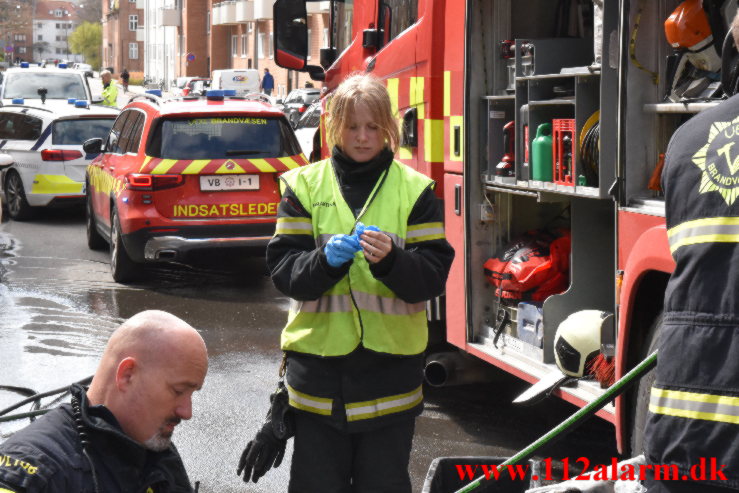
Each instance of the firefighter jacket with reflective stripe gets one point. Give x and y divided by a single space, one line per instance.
358 307
694 403
46 457
363 389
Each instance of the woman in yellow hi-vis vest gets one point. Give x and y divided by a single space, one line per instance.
356 328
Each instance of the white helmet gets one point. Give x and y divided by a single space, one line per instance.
577 341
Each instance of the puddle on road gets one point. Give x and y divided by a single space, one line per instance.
8 251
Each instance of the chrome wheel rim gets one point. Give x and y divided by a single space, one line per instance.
14 194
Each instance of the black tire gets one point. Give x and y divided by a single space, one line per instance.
18 207
95 240
640 405
123 269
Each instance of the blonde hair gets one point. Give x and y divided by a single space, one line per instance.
369 90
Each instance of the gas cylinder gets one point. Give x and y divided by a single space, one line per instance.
541 153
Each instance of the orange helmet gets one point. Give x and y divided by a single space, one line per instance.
688 25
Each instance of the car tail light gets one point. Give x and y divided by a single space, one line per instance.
143 182
302 109
60 154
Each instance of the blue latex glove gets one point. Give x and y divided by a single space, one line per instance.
361 228
340 249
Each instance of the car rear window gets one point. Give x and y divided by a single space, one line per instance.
58 86
76 132
222 137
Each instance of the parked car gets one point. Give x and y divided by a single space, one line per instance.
28 83
45 145
196 87
85 68
307 129
297 102
179 175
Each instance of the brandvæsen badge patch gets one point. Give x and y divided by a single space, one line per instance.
719 161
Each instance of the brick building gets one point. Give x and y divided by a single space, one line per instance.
122 35
16 30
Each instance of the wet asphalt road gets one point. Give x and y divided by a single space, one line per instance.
58 305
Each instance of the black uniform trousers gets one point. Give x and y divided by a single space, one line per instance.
327 460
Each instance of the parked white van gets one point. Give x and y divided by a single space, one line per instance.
244 81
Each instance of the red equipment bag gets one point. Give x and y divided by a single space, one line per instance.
532 267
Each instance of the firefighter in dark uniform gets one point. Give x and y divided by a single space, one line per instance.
95 444
694 403
356 329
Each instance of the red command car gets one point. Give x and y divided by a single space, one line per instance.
184 174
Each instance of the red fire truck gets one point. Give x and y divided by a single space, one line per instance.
467 80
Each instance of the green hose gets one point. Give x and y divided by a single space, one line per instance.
576 419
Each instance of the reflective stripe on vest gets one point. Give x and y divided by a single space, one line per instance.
318 405
294 226
709 230
425 232
356 411
358 309
365 301
692 405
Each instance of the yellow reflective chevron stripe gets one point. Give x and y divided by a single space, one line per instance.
709 230
392 89
163 166
55 184
425 232
146 162
289 162
294 226
195 167
416 96
356 411
305 402
692 405
262 165
5 490
433 139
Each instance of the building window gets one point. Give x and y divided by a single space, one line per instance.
21 49
234 46
324 41
250 27
182 45
57 13
133 22
133 51
310 47
207 22
243 46
260 45
39 25
272 44
40 37
58 51
19 37
57 25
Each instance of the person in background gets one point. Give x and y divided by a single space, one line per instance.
116 436
694 402
110 90
124 79
356 330
268 83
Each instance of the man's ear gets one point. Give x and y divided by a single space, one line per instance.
125 373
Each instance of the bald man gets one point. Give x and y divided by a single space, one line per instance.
110 91
116 436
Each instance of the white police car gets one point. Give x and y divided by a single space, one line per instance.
44 143
53 83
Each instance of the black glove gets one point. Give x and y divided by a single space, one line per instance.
267 449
